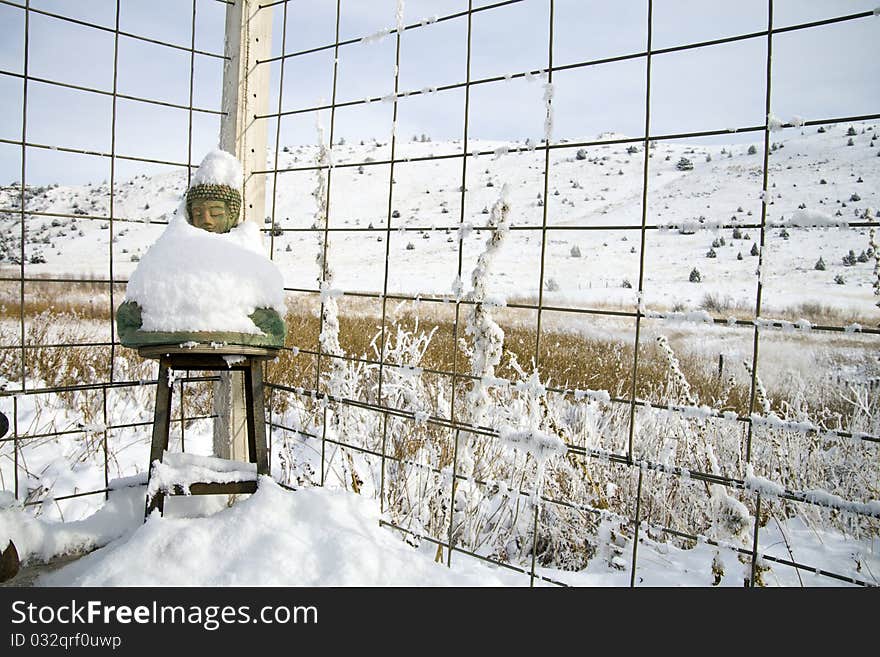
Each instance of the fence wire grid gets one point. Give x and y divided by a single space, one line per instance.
315 388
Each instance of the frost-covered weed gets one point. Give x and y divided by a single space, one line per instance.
485 333
691 442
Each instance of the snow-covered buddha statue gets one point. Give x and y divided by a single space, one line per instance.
206 280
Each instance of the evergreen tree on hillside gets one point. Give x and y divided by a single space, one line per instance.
684 164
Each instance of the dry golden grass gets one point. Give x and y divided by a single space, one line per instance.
62 313
816 313
76 297
568 360
725 306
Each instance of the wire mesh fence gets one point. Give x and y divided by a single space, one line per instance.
577 449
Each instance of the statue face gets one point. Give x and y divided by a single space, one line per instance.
209 215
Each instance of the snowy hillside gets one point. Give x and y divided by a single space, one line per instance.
830 174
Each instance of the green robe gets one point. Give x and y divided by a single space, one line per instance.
129 322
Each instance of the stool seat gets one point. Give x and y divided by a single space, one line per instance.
206 348
191 474
206 357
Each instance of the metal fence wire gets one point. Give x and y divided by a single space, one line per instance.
310 392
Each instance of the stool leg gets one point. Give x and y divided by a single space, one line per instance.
161 426
256 416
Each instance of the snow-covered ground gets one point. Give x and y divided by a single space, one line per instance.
323 537
276 537
332 537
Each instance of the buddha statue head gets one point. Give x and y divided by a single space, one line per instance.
212 202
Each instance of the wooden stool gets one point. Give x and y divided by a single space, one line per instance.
206 358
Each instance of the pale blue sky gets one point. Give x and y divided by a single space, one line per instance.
818 73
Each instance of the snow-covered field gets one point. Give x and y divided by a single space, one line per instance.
814 179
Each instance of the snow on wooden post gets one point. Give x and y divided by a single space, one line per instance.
245 95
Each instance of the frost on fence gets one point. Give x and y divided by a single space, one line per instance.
329 336
342 381
876 249
548 111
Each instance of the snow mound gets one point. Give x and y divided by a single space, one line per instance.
310 537
41 540
194 280
219 168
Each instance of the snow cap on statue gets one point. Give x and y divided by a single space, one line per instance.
219 177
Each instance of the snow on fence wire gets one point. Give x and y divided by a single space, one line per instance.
367 408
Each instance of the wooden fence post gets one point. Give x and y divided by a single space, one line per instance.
245 94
